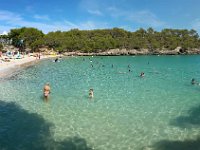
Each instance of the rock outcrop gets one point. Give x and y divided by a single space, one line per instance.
118 52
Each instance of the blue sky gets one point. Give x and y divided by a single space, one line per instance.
52 15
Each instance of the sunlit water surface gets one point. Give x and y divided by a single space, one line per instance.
127 112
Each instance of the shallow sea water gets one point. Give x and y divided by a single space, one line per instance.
127 112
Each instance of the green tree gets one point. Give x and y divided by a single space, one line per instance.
1 47
25 37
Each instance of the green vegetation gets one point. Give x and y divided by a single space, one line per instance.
26 37
1 47
105 39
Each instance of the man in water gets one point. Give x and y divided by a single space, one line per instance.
46 91
56 60
91 93
193 82
142 74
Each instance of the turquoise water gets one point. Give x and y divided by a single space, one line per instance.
127 112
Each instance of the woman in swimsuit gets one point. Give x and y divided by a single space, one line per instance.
46 91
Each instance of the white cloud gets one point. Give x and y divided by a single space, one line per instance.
196 24
41 17
29 9
142 17
94 7
12 20
145 17
89 25
4 33
95 12
9 16
70 24
6 28
115 12
89 4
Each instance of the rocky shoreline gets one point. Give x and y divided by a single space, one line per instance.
119 52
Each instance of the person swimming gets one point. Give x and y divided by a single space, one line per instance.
46 91
56 60
142 74
193 82
91 93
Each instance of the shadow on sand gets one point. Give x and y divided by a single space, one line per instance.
21 130
191 120
176 145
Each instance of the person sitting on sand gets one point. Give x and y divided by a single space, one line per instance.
91 93
46 91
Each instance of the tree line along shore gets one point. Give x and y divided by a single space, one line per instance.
114 41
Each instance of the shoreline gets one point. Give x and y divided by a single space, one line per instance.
125 52
8 68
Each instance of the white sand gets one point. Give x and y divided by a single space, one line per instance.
8 67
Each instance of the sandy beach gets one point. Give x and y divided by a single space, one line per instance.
15 64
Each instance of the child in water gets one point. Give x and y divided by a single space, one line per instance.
91 93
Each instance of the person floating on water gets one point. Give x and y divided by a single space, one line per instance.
142 74
46 91
91 93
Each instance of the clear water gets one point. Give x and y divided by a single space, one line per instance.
127 112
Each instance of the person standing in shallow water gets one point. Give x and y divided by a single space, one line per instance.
46 91
91 93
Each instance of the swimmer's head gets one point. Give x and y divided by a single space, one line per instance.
193 81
